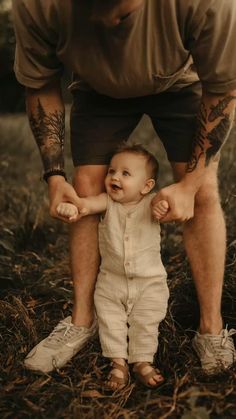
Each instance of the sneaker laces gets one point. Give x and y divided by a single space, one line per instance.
220 345
62 333
225 336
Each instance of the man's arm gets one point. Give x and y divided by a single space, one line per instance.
215 118
46 113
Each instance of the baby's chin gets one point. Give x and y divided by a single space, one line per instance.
114 197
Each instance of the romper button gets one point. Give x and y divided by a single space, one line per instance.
126 238
130 277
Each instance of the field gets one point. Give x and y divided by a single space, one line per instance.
36 292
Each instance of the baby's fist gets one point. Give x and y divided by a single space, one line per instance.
160 209
67 210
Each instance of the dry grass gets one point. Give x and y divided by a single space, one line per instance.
36 292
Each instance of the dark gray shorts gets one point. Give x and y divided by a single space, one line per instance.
100 123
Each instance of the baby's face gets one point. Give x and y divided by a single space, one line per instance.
126 178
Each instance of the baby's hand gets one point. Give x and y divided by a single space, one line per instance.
70 211
67 210
160 209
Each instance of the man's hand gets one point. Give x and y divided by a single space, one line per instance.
60 192
180 199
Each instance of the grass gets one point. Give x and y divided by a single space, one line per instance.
36 292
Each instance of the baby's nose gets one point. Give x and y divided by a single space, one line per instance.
115 176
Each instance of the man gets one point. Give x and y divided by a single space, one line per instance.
131 57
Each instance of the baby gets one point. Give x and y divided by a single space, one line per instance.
131 292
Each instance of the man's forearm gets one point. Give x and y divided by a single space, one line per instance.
46 115
215 120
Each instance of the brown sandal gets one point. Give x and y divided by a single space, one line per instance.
120 381
144 379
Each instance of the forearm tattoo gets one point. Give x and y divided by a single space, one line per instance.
49 130
208 142
199 139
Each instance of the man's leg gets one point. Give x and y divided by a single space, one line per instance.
205 243
69 336
88 180
174 118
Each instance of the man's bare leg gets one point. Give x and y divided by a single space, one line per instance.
205 243
67 339
84 256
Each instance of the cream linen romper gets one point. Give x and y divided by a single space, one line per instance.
131 291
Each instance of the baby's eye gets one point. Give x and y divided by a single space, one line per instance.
111 171
125 173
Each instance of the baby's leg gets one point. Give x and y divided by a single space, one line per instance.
148 311
113 330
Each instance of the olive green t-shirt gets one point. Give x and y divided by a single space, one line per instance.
148 52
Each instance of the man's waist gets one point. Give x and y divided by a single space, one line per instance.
147 85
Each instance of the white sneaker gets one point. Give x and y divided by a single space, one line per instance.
216 352
59 347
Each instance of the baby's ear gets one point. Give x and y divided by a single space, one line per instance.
149 185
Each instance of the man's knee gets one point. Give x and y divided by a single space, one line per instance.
89 180
208 197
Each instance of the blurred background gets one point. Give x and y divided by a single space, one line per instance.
11 93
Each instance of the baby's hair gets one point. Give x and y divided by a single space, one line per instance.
138 149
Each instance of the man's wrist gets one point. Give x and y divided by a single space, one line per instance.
54 172
191 183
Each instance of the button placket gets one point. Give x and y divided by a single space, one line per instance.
127 248
131 294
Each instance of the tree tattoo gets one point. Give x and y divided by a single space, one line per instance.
208 142
49 130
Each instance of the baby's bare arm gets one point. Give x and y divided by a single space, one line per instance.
94 204
87 206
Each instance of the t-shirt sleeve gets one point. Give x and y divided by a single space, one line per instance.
36 62
213 46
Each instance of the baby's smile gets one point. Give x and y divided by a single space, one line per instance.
115 187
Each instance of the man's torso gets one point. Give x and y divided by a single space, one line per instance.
149 52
